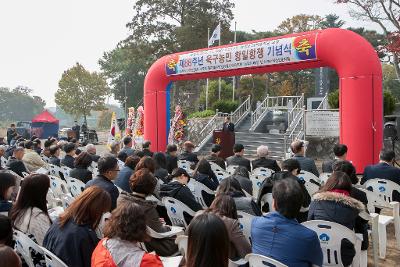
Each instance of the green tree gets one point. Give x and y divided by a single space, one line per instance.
11 102
226 92
104 119
299 23
331 21
390 81
254 85
80 92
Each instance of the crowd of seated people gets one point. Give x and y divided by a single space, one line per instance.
132 193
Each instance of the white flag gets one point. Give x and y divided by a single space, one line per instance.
216 35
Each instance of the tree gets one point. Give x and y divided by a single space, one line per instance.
331 21
226 92
386 14
299 23
80 92
390 81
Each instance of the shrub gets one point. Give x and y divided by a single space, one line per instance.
333 99
202 114
226 106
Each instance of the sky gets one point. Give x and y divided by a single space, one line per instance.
40 39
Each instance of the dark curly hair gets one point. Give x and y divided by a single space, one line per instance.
127 222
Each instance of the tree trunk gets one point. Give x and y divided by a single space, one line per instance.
396 65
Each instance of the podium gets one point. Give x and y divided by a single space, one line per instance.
226 139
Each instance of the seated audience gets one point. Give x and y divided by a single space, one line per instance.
72 236
139 153
128 142
29 213
124 231
91 149
148 163
208 242
54 155
69 158
15 162
142 184
121 157
9 257
333 203
81 172
263 161
172 159
126 172
6 231
232 187
46 150
161 166
306 164
204 174
241 174
340 152
384 169
214 156
188 154
178 189
108 171
146 149
224 207
278 234
238 158
31 159
290 169
7 184
37 145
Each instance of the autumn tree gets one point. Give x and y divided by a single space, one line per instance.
81 91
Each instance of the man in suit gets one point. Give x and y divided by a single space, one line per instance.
91 150
228 126
128 142
306 164
384 169
238 158
15 163
187 153
262 161
146 149
214 156
340 152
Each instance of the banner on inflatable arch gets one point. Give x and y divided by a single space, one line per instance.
257 54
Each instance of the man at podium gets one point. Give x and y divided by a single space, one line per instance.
228 126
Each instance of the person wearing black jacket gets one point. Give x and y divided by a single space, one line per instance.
146 149
205 175
214 156
81 172
69 159
262 161
178 189
188 154
241 174
15 163
171 158
290 170
54 155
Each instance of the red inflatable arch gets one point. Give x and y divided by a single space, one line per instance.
354 59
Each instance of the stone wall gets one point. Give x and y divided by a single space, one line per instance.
321 148
195 126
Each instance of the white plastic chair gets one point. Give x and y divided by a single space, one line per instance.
221 175
261 171
175 210
245 220
99 230
51 259
3 162
215 167
23 245
323 177
184 164
54 170
256 260
231 169
267 199
381 197
45 159
75 186
257 181
66 201
330 236
175 231
309 177
197 189
182 242
172 261
58 186
65 171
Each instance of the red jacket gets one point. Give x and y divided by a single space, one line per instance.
101 257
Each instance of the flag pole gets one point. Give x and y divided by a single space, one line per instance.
219 79
208 45
234 77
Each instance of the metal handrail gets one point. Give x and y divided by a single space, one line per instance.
323 104
294 112
241 112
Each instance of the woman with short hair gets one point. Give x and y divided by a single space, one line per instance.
81 164
72 237
7 184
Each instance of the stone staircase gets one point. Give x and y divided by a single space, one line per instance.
252 140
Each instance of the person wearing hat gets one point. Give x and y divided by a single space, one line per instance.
306 164
187 153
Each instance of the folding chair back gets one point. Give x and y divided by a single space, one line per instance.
175 210
75 186
182 242
323 177
58 186
257 181
384 188
67 201
52 260
256 260
24 245
261 171
197 189
245 220
54 170
65 171
184 164
215 167
3 161
309 177
330 236
267 199
231 169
